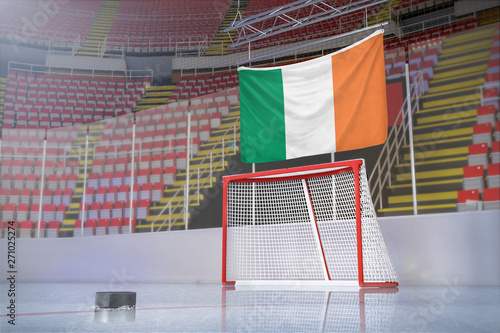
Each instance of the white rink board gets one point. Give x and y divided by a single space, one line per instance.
456 248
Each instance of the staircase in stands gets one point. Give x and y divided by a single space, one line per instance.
384 12
100 29
443 127
176 194
220 42
155 96
73 210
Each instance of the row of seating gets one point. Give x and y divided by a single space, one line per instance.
113 226
120 188
29 229
46 21
62 132
50 195
29 166
188 87
141 177
207 86
56 80
117 209
11 154
418 58
25 211
34 181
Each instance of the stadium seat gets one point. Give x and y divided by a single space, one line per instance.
102 227
486 114
25 229
491 198
115 226
482 133
53 229
473 178
468 200
493 178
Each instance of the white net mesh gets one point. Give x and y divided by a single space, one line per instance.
270 233
298 226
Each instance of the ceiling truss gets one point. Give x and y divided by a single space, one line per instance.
293 16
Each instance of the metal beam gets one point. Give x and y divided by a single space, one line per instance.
315 42
292 16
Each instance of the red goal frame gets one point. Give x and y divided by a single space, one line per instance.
343 166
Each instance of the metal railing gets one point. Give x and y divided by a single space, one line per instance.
211 165
76 45
77 72
175 44
398 136
163 17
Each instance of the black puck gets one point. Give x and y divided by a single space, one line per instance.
115 299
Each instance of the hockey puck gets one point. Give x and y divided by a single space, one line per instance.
115 299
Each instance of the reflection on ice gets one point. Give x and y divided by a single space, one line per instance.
276 310
114 315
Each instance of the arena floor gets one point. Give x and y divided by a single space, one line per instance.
54 307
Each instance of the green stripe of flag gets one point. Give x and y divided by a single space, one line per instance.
262 136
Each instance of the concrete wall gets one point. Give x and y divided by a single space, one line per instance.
458 248
104 64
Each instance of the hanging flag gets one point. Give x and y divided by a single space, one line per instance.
332 103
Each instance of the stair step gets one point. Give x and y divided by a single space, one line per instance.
459 106
447 117
469 36
160 93
480 48
430 183
147 228
477 71
165 217
167 87
178 199
440 153
228 151
476 97
440 174
452 92
445 125
440 90
424 197
422 209
459 65
443 142
194 181
437 162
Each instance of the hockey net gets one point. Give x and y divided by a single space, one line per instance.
304 225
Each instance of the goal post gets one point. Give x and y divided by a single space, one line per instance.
307 225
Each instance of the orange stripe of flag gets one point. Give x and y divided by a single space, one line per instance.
360 101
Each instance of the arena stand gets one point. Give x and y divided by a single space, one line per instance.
114 164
